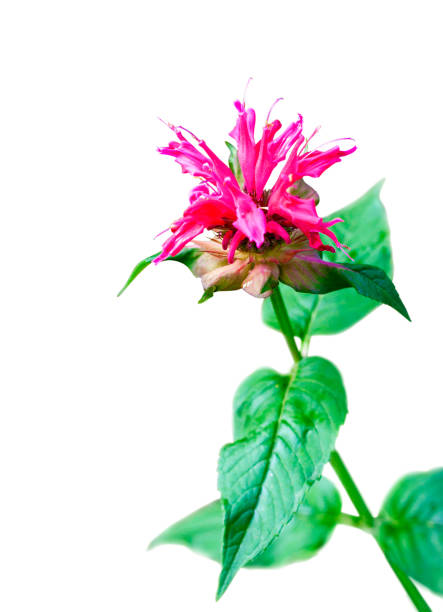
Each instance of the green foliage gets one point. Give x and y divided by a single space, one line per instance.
365 230
410 527
234 164
300 539
200 531
313 275
374 283
207 295
188 257
288 425
308 529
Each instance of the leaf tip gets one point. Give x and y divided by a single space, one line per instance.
227 575
407 317
207 295
222 586
401 308
376 188
153 544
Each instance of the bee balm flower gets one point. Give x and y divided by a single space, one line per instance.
261 235
256 230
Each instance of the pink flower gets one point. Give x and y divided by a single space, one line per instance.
234 201
261 236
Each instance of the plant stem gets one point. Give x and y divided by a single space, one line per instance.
351 488
410 588
284 322
364 512
339 466
353 521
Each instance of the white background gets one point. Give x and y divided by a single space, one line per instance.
113 411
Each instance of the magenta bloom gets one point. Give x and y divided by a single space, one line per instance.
262 236
238 207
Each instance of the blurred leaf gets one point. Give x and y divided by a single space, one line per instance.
200 531
305 534
410 527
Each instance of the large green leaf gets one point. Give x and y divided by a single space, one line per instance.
307 531
187 257
289 426
410 527
365 229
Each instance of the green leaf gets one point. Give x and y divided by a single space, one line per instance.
200 531
234 164
373 283
307 531
289 426
305 534
410 527
144 263
188 257
366 231
207 295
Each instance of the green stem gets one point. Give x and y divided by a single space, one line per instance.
353 521
410 588
351 488
338 464
284 322
360 505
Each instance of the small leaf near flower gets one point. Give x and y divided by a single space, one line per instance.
188 257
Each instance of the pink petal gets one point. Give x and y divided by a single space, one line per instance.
316 162
243 133
238 237
273 151
275 228
251 219
175 243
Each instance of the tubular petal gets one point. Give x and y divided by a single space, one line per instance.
275 228
175 243
243 133
235 241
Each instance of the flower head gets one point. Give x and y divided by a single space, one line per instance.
257 230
